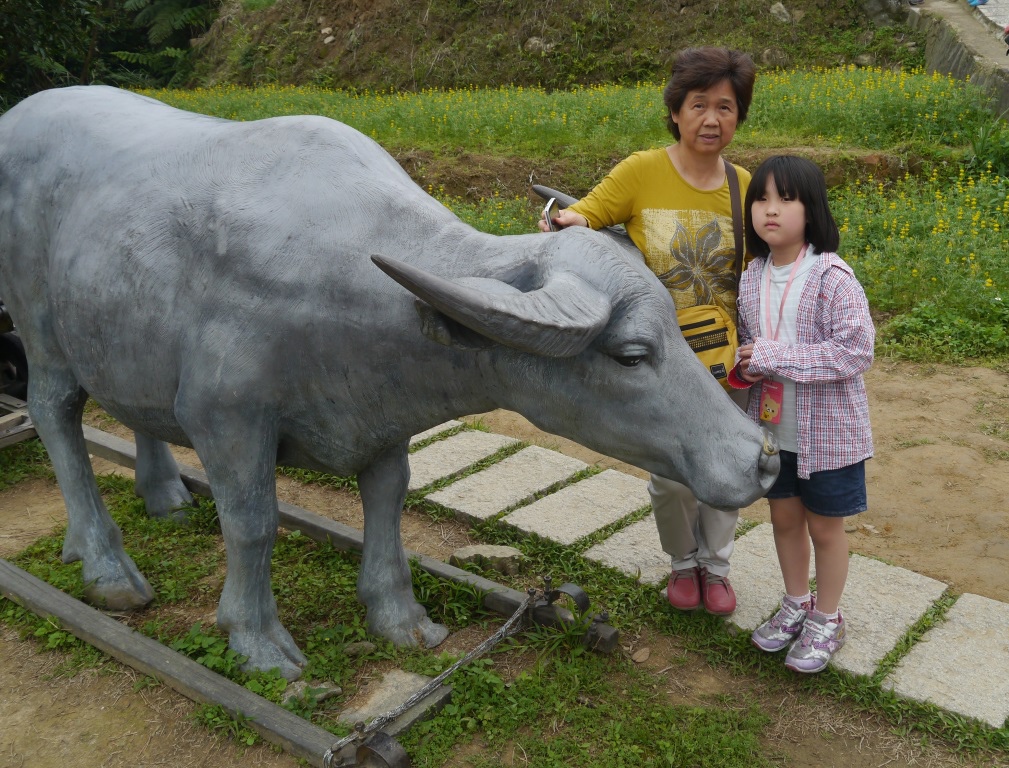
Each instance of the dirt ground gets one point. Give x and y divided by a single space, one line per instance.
938 495
938 485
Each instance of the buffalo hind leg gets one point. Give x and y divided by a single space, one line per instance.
384 583
111 579
238 448
158 481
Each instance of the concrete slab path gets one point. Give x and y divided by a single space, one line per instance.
544 494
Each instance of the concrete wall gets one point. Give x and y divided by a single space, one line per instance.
947 53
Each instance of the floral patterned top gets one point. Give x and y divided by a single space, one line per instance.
684 233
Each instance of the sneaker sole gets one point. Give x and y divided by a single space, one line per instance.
806 671
770 650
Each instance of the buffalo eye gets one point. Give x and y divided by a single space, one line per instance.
628 353
629 361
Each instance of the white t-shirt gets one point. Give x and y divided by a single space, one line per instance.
786 431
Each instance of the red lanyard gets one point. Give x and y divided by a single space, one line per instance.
784 295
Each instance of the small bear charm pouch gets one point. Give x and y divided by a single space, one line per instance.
771 395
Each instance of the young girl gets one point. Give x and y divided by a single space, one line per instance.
807 337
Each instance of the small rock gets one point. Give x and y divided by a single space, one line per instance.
780 12
329 40
850 528
320 689
641 655
327 692
537 45
506 560
870 529
774 57
326 31
865 60
362 648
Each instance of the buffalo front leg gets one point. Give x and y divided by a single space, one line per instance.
157 480
238 448
111 579
384 584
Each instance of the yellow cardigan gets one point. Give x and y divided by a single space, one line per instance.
685 233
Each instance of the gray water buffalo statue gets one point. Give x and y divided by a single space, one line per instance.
238 287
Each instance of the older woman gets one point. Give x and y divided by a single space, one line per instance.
675 203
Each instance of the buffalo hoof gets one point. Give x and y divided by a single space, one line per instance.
265 654
167 500
419 633
116 585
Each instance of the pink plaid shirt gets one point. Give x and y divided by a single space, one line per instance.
836 337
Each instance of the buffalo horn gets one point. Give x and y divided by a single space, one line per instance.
557 320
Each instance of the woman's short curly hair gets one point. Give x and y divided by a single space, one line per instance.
697 69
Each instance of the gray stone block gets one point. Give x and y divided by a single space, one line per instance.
583 507
453 454
879 604
636 551
482 495
961 665
385 695
506 560
435 430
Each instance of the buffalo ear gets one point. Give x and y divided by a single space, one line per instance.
446 331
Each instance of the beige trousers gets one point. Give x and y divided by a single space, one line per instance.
690 532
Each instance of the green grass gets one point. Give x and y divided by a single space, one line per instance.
456 43
23 461
564 705
315 586
542 716
845 107
868 108
930 252
928 248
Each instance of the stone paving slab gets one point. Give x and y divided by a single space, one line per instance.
756 577
435 430
583 507
636 551
880 601
483 494
879 604
453 454
961 665
376 698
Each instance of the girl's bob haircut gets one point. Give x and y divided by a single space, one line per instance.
799 179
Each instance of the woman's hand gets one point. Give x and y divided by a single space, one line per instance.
745 353
564 219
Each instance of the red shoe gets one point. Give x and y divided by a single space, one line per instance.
717 594
684 589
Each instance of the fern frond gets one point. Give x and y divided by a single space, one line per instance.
46 64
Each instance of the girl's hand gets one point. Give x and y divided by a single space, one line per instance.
564 219
745 353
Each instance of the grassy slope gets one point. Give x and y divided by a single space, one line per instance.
405 45
454 43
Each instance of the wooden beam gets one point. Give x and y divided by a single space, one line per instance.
277 725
